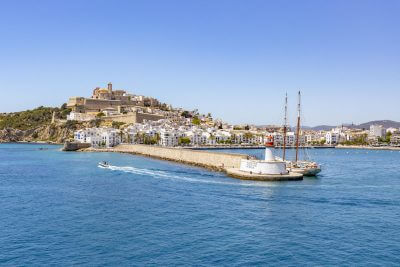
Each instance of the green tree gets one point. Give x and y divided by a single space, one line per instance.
157 138
388 136
196 120
138 138
183 141
71 124
28 119
248 135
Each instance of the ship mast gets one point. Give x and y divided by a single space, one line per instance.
298 128
285 130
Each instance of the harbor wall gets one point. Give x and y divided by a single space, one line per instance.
214 160
73 146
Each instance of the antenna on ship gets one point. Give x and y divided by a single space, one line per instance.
285 130
298 128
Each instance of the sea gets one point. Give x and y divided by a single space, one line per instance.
61 209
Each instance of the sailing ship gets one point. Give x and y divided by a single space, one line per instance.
305 167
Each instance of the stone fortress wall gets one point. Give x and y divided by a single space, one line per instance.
135 117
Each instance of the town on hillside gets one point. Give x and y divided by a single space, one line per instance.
136 119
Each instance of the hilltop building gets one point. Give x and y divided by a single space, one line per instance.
116 105
103 98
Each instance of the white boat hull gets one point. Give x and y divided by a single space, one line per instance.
306 171
307 168
102 165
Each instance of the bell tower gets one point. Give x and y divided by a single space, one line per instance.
109 87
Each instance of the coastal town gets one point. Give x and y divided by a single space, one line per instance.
124 118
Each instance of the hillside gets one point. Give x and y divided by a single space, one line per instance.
35 125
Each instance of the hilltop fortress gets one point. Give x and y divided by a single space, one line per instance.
103 98
115 105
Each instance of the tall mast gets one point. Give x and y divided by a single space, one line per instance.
285 130
298 129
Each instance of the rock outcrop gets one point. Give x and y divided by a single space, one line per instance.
53 132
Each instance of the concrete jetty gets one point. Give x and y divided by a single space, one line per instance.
74 146
226 162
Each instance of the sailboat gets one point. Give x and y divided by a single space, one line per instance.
305 167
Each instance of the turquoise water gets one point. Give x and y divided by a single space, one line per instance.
59 208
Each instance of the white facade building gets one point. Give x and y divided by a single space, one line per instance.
98 137
170 137
376 131
332 138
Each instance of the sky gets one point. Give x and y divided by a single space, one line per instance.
234 59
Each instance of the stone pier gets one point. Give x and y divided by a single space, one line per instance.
226 162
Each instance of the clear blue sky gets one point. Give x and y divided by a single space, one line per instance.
235 59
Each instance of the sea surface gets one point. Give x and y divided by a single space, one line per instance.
59 208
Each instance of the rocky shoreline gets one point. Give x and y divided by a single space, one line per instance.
52 133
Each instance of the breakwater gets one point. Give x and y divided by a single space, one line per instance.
222 147
73 146
207 159
226 162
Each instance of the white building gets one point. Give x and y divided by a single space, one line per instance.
376 131
332 138
222 136
290 139
196 137
170 137
395 139
98 137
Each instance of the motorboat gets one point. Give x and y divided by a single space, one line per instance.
104 164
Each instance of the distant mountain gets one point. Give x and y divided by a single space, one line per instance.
366 125
384 123
322 128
